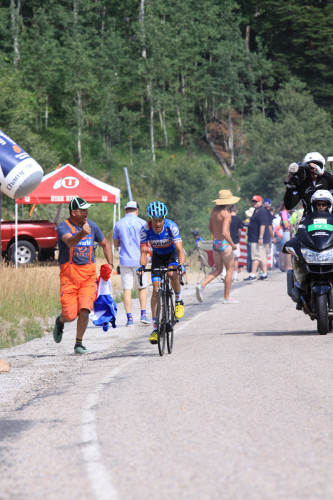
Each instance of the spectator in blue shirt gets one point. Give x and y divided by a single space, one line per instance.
126 236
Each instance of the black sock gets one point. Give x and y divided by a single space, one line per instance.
78 342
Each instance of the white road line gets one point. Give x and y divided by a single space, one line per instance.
99 477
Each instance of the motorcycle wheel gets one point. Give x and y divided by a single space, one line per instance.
322 314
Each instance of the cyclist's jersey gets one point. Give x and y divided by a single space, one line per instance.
164 242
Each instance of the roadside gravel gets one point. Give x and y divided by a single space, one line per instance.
39 362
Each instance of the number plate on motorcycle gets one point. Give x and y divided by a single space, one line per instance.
320 225
319 221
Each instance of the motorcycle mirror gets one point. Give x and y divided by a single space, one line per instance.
330 161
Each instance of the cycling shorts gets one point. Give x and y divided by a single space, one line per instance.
159 260
78 288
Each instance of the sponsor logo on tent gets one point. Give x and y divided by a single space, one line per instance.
68 182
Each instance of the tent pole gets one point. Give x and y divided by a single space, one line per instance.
56 220
114 223
16 229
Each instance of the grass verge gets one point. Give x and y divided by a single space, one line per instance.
29 300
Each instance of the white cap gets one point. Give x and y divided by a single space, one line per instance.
131 204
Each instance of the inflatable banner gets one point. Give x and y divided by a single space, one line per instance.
19 173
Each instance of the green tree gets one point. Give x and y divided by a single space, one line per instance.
298 37
300 126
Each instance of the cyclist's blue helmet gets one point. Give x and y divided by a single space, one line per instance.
157 210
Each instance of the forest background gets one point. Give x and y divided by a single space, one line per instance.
191 96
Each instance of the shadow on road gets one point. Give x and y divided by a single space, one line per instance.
273 334
291 333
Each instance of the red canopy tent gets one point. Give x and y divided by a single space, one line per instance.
62 185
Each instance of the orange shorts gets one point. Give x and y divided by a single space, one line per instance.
78 288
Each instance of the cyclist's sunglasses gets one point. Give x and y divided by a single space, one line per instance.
157 219
321 204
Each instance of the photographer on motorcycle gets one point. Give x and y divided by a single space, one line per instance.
304 179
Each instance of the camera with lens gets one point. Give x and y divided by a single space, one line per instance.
298 178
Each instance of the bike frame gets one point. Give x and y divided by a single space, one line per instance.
165 307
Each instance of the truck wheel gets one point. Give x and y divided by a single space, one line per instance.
46 254
26 252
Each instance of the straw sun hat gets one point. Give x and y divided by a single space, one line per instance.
226 198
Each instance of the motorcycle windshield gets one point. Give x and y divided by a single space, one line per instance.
316 230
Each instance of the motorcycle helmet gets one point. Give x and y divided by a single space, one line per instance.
316 158
322 195
157 210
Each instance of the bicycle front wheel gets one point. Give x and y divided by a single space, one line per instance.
171 306
161 322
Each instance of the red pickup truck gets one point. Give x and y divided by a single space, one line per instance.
37 238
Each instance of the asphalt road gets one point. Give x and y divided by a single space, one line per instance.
242 409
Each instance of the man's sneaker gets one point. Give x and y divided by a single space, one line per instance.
80 349
179 309
250 278
58 330
199 293
153 337
129 322
263 277
229 301
144 320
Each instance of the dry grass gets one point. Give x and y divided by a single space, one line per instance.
29 297
29 301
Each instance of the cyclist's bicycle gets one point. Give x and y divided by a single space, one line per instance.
165 314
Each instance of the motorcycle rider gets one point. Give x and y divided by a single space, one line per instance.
321 201
303 183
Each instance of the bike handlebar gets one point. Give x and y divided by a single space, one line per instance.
163 270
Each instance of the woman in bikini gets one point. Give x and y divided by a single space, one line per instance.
223 246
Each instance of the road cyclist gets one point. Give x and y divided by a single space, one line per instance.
165 311
167 251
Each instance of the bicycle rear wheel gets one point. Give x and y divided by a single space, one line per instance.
171 306
161 322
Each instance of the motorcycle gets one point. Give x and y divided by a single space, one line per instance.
310 283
